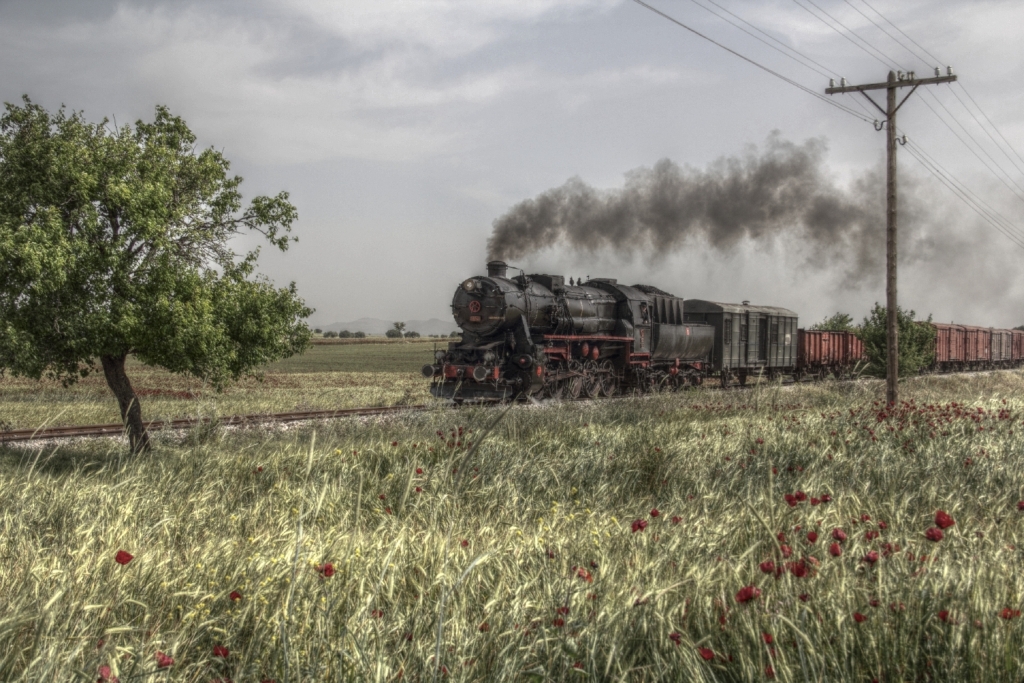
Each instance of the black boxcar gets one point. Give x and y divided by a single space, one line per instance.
749 340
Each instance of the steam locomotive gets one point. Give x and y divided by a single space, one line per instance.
535 335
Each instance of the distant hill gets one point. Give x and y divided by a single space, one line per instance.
376 326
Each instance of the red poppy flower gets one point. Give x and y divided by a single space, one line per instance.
865 518
812 537
419 489
858 617
706 654
839 535
123 557
804 597
677 519
786 551
326 570
767 637
259 469
485 627
798 569
387 511
1008 613
800 495
654 512
394 443
220 651
638 525
578 665
791 500
834 550
419 470
870 535
769 672
767 566
748 593
933 534
943 520
464 543
382 496
377 613
676 637
559 622
871 557
874 602
585 575
815 501
163 661
944 615
235 596
104 672
882 525
1020 505
825 498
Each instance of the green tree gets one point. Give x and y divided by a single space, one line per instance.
399 328
115 242
916 341
840 322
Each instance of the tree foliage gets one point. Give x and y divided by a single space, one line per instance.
916 341
840 322
115 241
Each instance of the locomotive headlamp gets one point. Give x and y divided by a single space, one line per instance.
439 355
469 285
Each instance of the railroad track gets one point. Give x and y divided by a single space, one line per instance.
117 429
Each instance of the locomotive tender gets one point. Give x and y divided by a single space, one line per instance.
535 335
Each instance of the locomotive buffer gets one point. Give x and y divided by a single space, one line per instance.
896 80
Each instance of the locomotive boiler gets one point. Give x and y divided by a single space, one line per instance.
535 335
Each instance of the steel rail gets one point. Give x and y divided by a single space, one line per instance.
12 435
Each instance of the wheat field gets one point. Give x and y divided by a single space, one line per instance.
781 533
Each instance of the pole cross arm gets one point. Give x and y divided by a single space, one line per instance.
895 84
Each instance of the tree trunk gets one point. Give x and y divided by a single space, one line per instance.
131 411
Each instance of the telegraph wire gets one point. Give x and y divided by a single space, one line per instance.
894 38
817 67
930 163
851 35
959 194
963 87
807 90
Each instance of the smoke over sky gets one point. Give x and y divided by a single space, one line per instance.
782 190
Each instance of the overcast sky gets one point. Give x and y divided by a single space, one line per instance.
404 128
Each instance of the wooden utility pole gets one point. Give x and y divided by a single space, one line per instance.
896 80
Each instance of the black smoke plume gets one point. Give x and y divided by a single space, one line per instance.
781 190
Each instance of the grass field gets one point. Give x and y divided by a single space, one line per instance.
536 553
330 375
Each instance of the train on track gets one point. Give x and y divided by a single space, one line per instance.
535 335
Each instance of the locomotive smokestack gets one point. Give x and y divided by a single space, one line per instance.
496 268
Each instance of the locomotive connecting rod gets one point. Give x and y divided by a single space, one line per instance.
890 86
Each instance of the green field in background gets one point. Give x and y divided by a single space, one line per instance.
384 357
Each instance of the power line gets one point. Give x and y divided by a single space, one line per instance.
807 90
1005 141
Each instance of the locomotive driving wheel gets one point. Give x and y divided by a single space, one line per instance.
606 378
574 385
591 380
556 389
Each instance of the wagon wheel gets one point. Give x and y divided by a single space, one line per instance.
743 378
725 379
607 379
591 381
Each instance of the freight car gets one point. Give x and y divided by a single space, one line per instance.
821 353
535 335
960 348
